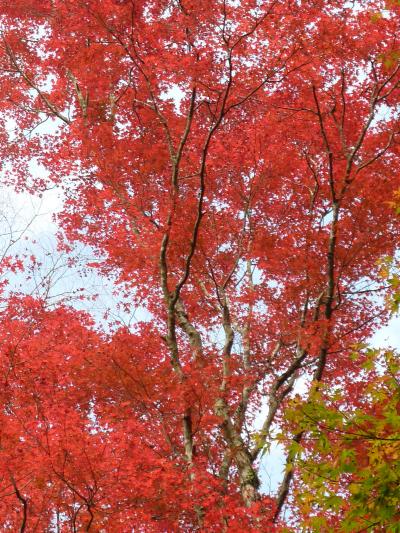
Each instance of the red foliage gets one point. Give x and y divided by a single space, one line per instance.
232 163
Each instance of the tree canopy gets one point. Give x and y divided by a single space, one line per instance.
232 166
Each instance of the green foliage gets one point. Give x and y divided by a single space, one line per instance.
350 468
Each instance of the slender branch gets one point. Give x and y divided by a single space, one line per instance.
53 108
24 503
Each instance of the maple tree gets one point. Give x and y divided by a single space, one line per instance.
232 166
354 484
